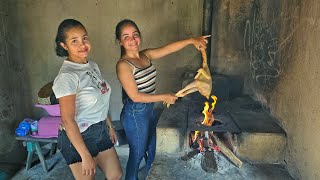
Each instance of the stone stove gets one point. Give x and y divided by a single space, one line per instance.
223 121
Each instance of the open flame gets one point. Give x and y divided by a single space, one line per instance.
196 133
204 141
208 116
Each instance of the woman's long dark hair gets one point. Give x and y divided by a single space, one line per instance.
118 32
119 28
64 26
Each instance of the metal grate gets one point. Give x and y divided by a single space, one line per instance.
223 120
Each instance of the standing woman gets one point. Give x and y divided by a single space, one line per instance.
87 137
137 76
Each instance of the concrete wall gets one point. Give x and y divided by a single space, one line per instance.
274 46
295 100
284 75
33 25
227 55
7 105
28 60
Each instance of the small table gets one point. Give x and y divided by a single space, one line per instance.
33 145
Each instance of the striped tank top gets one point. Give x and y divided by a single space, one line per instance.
145 77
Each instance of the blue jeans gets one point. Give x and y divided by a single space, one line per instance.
139 123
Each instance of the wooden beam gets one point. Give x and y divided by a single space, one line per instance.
227 152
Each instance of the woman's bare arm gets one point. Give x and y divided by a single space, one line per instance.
112 132
126 78
156 53
67 110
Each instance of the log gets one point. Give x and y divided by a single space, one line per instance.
227 152
230 141
190 155
208 162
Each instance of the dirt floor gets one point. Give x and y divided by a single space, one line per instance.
59 170
168 167
165 168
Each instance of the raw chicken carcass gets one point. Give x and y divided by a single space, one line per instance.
202 81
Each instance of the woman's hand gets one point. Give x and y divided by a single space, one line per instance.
113 135
200 42
88 165
170 98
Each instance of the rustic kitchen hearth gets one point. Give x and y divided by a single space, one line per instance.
240 126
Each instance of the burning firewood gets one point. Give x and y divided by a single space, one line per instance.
208 162
206 143
227 152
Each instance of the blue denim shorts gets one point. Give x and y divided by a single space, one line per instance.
96 138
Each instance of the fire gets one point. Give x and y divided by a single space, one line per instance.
208 116
204 141
200 143
195 135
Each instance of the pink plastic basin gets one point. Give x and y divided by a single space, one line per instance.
52 110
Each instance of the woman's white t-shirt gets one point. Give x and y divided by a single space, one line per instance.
91 90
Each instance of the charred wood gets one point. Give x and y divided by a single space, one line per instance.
208 162
190 155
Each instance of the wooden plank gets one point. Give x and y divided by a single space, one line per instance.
30 138
227 152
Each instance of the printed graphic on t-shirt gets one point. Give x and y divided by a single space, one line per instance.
99 82
84 125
